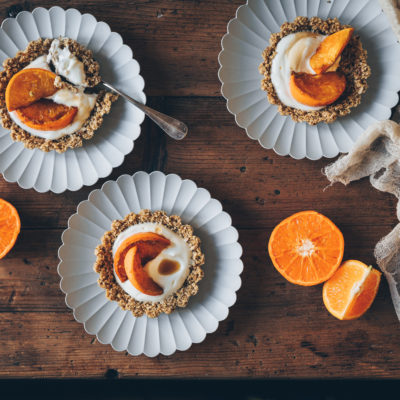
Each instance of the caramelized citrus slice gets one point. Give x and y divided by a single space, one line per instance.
306 248
10 226
317 90
138 276
149 244
28 86
330 49
45 115
351 290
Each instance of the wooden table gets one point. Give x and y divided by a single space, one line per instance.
276 329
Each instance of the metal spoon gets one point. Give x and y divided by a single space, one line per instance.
171 126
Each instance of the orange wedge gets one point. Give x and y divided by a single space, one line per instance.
330 49
28 86
46 115
149 245
138 276
306 248
351 290
317 90
10 226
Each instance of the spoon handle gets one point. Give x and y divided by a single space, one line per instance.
171 126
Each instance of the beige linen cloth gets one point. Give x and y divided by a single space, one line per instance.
376 154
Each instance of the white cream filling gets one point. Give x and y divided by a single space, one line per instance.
178 251
66 64
84 102
293 53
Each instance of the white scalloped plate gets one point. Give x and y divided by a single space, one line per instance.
184 326
247 37
112 141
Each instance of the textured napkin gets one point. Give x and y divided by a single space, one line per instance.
392 10
376 154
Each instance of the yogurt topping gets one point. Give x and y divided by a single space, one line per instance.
84 102
293 54
178 251
66 64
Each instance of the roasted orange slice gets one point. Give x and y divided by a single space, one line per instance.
10 226
306 248
351 290
330 49
46 115
149 246
138 276
28 86
317 90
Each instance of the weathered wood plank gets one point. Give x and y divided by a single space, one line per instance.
256 186
176 42
275 329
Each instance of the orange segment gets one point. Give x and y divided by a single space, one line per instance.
46 115
306 248
150 245
29 85
10 226
351 290
330 49
138 276
317 90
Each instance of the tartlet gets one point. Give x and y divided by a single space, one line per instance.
353 65
104 265
102 105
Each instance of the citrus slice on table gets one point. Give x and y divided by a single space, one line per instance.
10 226
306 248
351 290
28 86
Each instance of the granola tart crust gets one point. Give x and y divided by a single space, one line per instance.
104 100
353 64
104 265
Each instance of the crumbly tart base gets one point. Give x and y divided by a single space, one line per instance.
353 65
104 265
104 100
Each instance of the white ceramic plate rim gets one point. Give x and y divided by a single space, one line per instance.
208 331
141 93
231 21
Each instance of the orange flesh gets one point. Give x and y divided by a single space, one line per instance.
306 248
351 290
28 86
10 226
45 115
317 90
330 49
138 276
147 246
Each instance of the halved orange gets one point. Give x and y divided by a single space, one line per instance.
306 248
28 86
351 290
10 226
46 115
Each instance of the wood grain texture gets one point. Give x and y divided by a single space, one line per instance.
275 329
176 42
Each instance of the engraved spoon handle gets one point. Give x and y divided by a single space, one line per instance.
171 126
